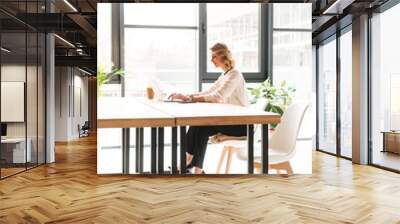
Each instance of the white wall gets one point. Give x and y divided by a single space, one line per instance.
62 81
71 94
15 73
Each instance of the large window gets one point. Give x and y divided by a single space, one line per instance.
292 63
105 58
346 93
171 32
238 27
385 84
292 55
104 33
292 16
160 45
109 141
327 96
335 60
161 49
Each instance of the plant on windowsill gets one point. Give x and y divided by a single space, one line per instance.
104 76
278 97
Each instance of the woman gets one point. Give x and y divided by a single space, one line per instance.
230 88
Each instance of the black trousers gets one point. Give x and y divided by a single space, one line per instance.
197 139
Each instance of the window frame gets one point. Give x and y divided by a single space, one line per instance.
379 10
334 37
264 42
121 38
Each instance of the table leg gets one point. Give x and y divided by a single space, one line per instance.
174 150
137 152
264 152
183 149
125 150
160 150
250 148
153 150
384 143
141 151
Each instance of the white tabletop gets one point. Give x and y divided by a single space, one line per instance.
117 112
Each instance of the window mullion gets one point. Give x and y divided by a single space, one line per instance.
266 45
202 52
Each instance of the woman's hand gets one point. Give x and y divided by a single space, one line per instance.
178 96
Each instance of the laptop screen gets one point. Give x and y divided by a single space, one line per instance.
3 129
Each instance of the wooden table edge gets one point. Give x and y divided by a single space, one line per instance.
135 122
227 120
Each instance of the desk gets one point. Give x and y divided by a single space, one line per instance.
145 113
220 114
213 113
16 153
391 141
128 113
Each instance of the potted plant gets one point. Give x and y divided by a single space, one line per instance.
278 97
104 76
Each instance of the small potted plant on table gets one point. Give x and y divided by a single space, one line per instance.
278 97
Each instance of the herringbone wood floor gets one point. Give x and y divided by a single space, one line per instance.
69 191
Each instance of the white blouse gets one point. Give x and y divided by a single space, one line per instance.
229 88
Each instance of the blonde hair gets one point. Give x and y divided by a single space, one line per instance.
222 50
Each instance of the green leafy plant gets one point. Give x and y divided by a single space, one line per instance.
104 76
278 97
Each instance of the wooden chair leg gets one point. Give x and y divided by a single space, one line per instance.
222 158
257 167
283 166
229 160
289 169
278 167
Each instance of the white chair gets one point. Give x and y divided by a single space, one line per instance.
237 142
282 143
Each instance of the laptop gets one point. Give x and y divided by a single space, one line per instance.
163 90
177 101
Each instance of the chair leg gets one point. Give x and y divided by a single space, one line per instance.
229 160
289 169
278 167
257 167
222 158
283 166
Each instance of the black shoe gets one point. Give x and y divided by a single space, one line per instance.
188 167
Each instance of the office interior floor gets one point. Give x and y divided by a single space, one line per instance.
10 170
70 191
386 159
